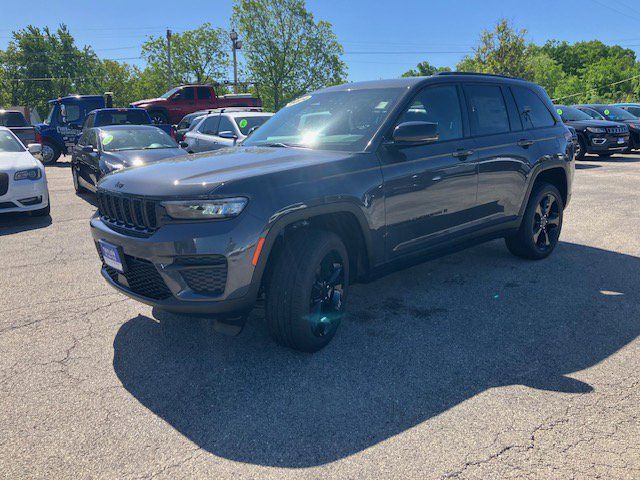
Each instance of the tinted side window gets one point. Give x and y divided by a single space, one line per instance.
204 93
487 110
93 139
225 125
533 112
84 139
210 125
439 105
633 110
185 94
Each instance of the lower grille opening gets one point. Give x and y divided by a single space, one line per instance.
141 277
205 274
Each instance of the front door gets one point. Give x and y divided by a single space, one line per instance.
430 189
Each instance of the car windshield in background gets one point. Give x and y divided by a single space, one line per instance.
8 143
12 119
341 120
592 114
247 124
570 114
135 139
132 117
615 114
169 93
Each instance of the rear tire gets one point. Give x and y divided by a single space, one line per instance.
50 153
306 291
158 118
541 224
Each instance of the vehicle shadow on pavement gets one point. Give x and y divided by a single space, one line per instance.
418 343
21 222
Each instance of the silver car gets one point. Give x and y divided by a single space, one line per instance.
219 130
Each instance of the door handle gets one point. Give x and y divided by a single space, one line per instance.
524 143
462 154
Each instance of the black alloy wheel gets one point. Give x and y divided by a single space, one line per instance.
546 226
326 305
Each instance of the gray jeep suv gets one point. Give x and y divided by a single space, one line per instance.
341 185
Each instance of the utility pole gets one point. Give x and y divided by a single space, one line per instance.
170 70
235 45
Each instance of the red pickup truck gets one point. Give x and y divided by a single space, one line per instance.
185 99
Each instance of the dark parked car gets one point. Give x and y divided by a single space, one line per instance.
341 185
599 137
15 121
617 114
103 150
105 117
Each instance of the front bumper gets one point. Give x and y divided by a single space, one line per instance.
25 196
607 143
198 268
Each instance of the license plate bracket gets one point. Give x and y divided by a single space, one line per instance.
113 256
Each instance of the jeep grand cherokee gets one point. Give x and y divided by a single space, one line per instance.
341 185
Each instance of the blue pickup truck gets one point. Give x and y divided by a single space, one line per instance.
69 115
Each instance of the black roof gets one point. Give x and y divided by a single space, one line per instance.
410 82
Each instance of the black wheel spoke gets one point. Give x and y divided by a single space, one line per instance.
334 279
555 221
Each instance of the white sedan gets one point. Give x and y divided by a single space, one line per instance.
23 183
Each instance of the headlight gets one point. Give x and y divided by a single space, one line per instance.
597 130
205 209
31 174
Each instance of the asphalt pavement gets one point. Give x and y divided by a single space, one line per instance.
478 365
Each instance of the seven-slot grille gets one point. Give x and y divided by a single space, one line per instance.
128 212
616 130
4 183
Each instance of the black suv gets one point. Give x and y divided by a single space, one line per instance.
339 186
595 135
613 113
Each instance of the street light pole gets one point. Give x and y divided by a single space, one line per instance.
169 68
235 45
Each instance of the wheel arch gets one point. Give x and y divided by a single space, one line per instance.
345 219
556 175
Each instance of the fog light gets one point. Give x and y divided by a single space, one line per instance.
30 201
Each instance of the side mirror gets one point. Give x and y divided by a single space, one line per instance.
34 148
416 132
87 149
183 144
228 134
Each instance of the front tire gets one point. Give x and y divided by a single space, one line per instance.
158 118
306 291
76 183
541 225
581 149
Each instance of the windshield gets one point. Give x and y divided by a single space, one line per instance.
9 143
170 92
135 139
615 114
248 124
342 120
570 114
592 113
52 112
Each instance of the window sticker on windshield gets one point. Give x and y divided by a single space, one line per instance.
607 112
298 100
381 105
107 139
243 123
559 110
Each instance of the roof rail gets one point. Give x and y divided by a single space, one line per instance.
479 74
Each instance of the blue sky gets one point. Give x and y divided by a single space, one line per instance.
381 39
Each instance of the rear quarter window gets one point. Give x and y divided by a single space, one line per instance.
533 111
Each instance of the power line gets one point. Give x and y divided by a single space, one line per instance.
595 88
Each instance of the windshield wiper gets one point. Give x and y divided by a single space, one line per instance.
277 145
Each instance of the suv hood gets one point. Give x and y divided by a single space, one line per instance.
200 174
582 124
137 158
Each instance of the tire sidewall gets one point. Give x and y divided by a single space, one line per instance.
301 328
56 154
528 219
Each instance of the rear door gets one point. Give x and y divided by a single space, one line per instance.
204 100
203 138
505 150
430 189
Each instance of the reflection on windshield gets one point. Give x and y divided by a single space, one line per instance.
616 114
135 139
570 114
341 120
8 143
169 93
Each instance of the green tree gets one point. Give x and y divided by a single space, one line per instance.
197 56
425 69
502 50
545 71
40 64
287 52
